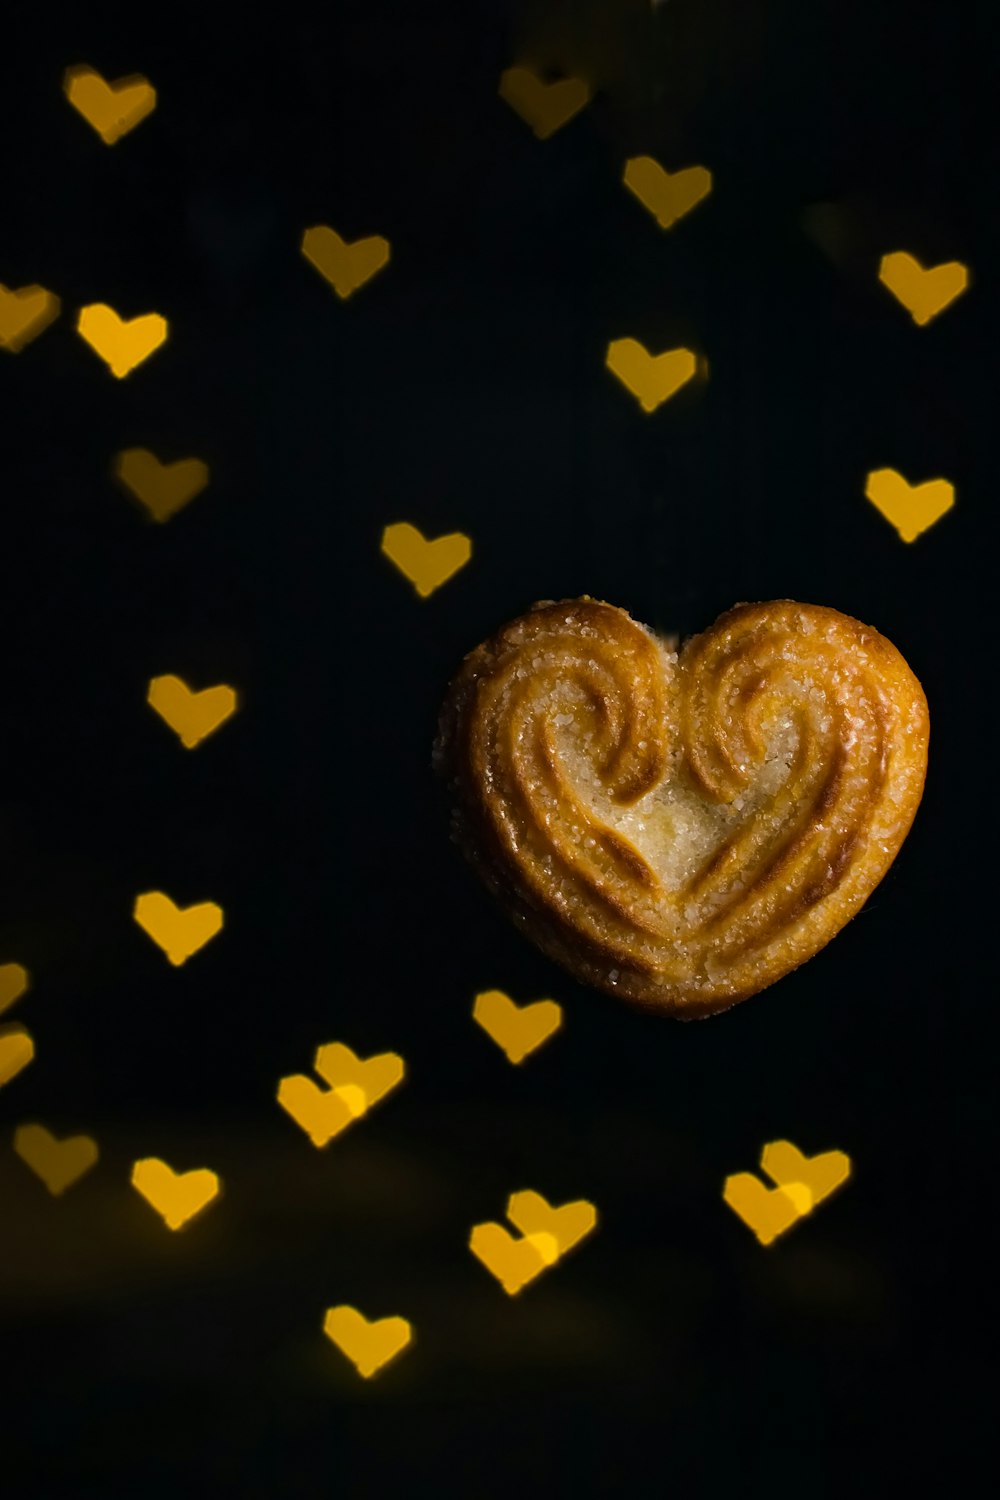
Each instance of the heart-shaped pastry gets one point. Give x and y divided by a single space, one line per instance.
683 827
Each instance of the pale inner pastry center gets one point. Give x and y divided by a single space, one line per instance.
675 827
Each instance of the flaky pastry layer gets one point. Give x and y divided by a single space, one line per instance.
682 829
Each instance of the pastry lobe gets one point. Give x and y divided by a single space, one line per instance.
683 828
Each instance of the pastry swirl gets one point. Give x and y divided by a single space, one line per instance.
683 828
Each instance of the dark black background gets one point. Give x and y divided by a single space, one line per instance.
465 389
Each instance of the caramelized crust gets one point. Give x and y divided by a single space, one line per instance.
683 829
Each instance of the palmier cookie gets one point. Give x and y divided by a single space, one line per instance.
682 828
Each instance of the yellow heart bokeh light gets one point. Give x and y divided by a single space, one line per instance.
820 1175
24 314
529 1212
667 195
14 981
801 1182
192 716
924 291
369 1345
546 107
374 1077
354 1085
321 1113
122 343
346 266
59 1163
16 1051
179 931
177 1197
910 508
113 109
162 489
427 564
652 379
518 1030
514 1260
547 1233
767 1211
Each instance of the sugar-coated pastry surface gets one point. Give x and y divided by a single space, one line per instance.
683 828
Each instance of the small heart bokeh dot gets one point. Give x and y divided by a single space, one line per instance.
179 931
518 1030
546 107
59 1163
910 508
668 196
193 716
369 1344
112 109
800 1183
352 1086
17 1050
427 564
14 982
925 291
162 489
652 379
122 343
24 314
178 1197
346 266
546 1234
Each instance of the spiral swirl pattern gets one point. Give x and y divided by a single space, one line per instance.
684 829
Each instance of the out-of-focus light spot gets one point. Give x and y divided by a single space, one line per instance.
162 488
518 1030
544 106
121 343
180 932
354 1085
113 109
767 1211
820 1175
16 1051
375 1076
910 508
801 1183
426 564
192 716
514 1260
59 1163
368 1345
24 314
667 195
13 983
345 266
652 379
321 1113
176 1196
547 1233
924 292
531 1214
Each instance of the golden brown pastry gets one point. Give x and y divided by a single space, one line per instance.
683 828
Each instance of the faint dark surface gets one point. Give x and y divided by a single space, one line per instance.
465 388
